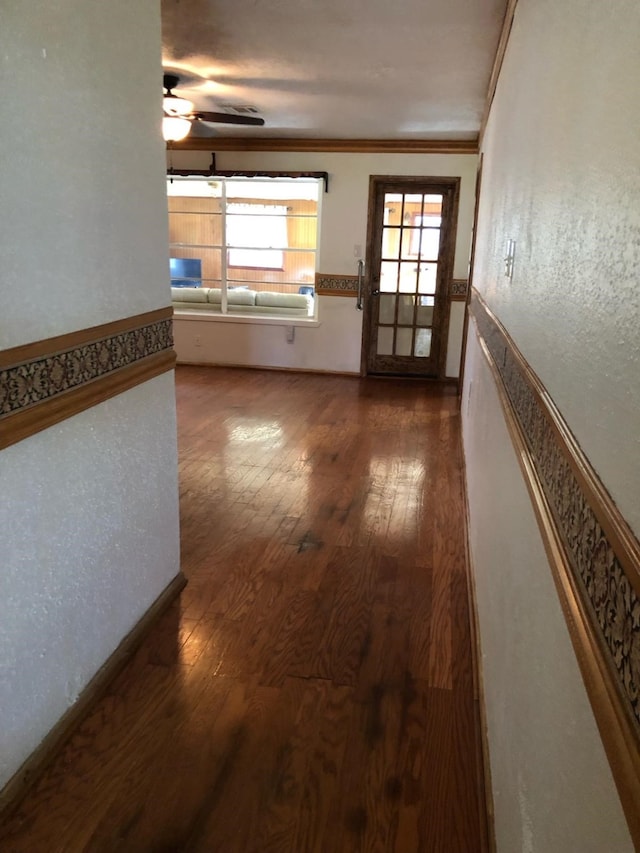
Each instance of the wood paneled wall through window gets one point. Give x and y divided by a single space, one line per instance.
197 223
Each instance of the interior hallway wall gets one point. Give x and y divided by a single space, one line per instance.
88 516
561 177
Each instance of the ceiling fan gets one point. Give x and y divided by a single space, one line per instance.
179 113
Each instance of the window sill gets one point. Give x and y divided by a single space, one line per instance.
254 319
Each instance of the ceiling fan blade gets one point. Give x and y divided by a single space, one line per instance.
202 130
227 118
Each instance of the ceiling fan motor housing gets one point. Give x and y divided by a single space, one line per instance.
170 81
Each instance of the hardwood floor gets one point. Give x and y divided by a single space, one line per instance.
312 689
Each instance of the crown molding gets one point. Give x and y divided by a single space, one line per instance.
339 146
501 49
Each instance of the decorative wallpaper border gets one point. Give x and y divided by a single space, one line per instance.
46 381
336 285
458 289
347 285
598 550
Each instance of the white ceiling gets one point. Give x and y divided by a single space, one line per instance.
337 69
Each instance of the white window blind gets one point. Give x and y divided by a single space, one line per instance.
256 235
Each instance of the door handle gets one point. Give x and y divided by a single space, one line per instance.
360 283
375 292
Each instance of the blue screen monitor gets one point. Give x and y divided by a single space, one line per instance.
185 272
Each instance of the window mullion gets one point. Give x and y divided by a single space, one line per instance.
224 252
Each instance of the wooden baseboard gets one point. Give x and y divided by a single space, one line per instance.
444 382
485 787
20 783
313 370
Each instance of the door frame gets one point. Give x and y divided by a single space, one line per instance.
472 264
442 307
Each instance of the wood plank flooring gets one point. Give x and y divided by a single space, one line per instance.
312 689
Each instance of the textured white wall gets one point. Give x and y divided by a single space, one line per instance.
562 178
344 225
82 207
333 346
454 347
88 516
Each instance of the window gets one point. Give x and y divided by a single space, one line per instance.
254 231
256 235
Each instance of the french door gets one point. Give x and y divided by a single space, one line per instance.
410 250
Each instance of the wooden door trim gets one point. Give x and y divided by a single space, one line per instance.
472 263
445 299
448 184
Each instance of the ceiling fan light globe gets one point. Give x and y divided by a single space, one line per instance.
175 106
175 128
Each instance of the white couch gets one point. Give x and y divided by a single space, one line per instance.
241 301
